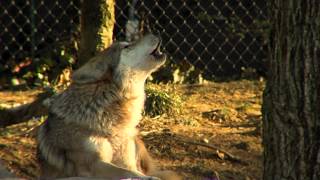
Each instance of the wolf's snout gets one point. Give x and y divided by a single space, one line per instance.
152 41
145 54
155 46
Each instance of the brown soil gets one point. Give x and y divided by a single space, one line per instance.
223 115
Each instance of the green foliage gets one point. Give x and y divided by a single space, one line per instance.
43 70
51 65
159 102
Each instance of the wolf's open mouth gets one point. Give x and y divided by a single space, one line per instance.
157 51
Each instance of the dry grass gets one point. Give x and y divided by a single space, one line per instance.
225 115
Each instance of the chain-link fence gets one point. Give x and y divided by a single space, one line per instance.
219 37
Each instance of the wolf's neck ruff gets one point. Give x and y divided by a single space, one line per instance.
120 106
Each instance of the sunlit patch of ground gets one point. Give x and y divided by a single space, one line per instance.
223 115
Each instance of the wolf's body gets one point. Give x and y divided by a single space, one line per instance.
91 126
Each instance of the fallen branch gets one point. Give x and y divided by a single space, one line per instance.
227 155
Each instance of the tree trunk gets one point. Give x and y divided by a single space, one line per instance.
97 21
291 102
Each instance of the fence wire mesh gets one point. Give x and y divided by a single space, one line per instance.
218 37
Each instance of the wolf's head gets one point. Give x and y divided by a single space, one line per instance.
144 55
123 61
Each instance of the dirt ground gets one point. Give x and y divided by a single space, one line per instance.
216 135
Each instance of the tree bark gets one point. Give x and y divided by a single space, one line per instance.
291 102
97 22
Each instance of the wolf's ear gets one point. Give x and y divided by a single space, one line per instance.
100 67
97 69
